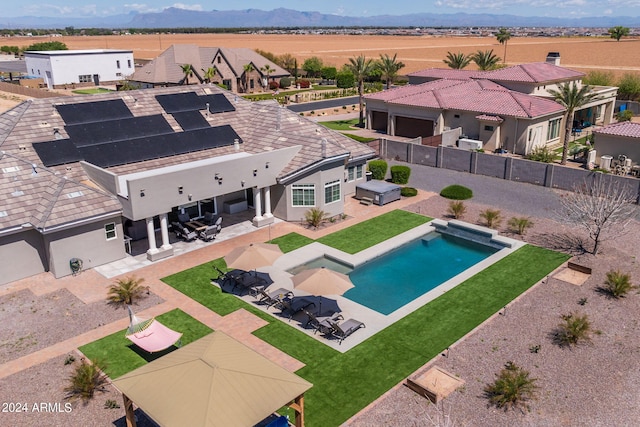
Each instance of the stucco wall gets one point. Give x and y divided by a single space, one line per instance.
21 255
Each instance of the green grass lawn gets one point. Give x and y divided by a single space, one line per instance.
122 356
373 231
91 91
291 241
340 124
359 138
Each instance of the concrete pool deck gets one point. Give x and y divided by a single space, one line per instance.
373 320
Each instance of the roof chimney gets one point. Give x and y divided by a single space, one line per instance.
323 147
553 58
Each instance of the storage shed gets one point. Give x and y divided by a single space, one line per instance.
380 192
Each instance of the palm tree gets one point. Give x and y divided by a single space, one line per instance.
360 67
571 97
503 37
485 60
267 70
389 68
618 32
187 69
126 291
208 74
247 70
457 61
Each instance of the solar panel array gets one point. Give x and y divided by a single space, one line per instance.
106 133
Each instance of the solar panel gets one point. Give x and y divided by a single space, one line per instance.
177 102
57 152
117 130
218 103
88 112
190 120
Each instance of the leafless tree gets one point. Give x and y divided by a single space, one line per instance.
602 206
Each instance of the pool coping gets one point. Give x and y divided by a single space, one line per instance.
374 321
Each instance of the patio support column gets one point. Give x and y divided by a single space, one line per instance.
129 414
151 235
164 231
267 202
298 409
257 203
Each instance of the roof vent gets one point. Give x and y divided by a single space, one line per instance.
17 193
553 58
74 194
11 169
3 214
323 147
34 169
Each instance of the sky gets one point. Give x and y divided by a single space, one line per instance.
554 8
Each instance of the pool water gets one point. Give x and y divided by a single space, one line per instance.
391 281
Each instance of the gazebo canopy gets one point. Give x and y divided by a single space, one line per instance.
214 381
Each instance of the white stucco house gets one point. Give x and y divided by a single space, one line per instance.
77 68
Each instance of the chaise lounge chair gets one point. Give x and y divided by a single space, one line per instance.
292 306
249 282
321 323
274 297
344 329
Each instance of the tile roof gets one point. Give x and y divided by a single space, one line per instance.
480 96
239 57
263 126
488 118
534 72
626 129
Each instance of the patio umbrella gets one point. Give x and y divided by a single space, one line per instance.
254 256
320 281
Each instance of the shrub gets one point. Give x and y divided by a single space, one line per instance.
69 359
85 381
285 82
456 192
457 209
273 85
400 174
617 284
378 169
573 329
624 116
304 84
408 192
520 225
111 404
345 79
491 217
542 154
126 291
512 388
315 217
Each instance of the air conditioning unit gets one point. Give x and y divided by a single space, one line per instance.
469 144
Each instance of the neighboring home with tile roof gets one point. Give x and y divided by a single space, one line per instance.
79 173
483 110
231 66
513 112
619 141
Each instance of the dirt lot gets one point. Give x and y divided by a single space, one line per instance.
581 53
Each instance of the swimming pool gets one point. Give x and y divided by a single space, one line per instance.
396 278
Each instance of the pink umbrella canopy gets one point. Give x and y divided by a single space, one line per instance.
254 256
322 281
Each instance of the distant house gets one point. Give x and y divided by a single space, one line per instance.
508 108
240 70
77 68
620 142
78 173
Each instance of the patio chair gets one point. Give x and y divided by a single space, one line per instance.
292 306
183 218
273 297
209 233
249 282
321 323
209 218
344 329
187 234
218 224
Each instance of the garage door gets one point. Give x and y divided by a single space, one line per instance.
412 128
379 121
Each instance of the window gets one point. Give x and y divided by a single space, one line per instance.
359 171
128 63
219 60
118 74
84 78
118 64
351 173
251 84
303 195
110 230
488 128
331 192
554 129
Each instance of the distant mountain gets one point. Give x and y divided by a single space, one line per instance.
255 18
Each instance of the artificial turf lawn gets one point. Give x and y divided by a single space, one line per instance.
121 356
373 231
346 383
340 124
291 241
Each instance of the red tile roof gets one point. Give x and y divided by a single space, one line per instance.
481 96
445 73
627 129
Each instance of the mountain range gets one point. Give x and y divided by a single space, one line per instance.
281 18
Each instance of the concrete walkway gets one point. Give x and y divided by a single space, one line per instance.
90 287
